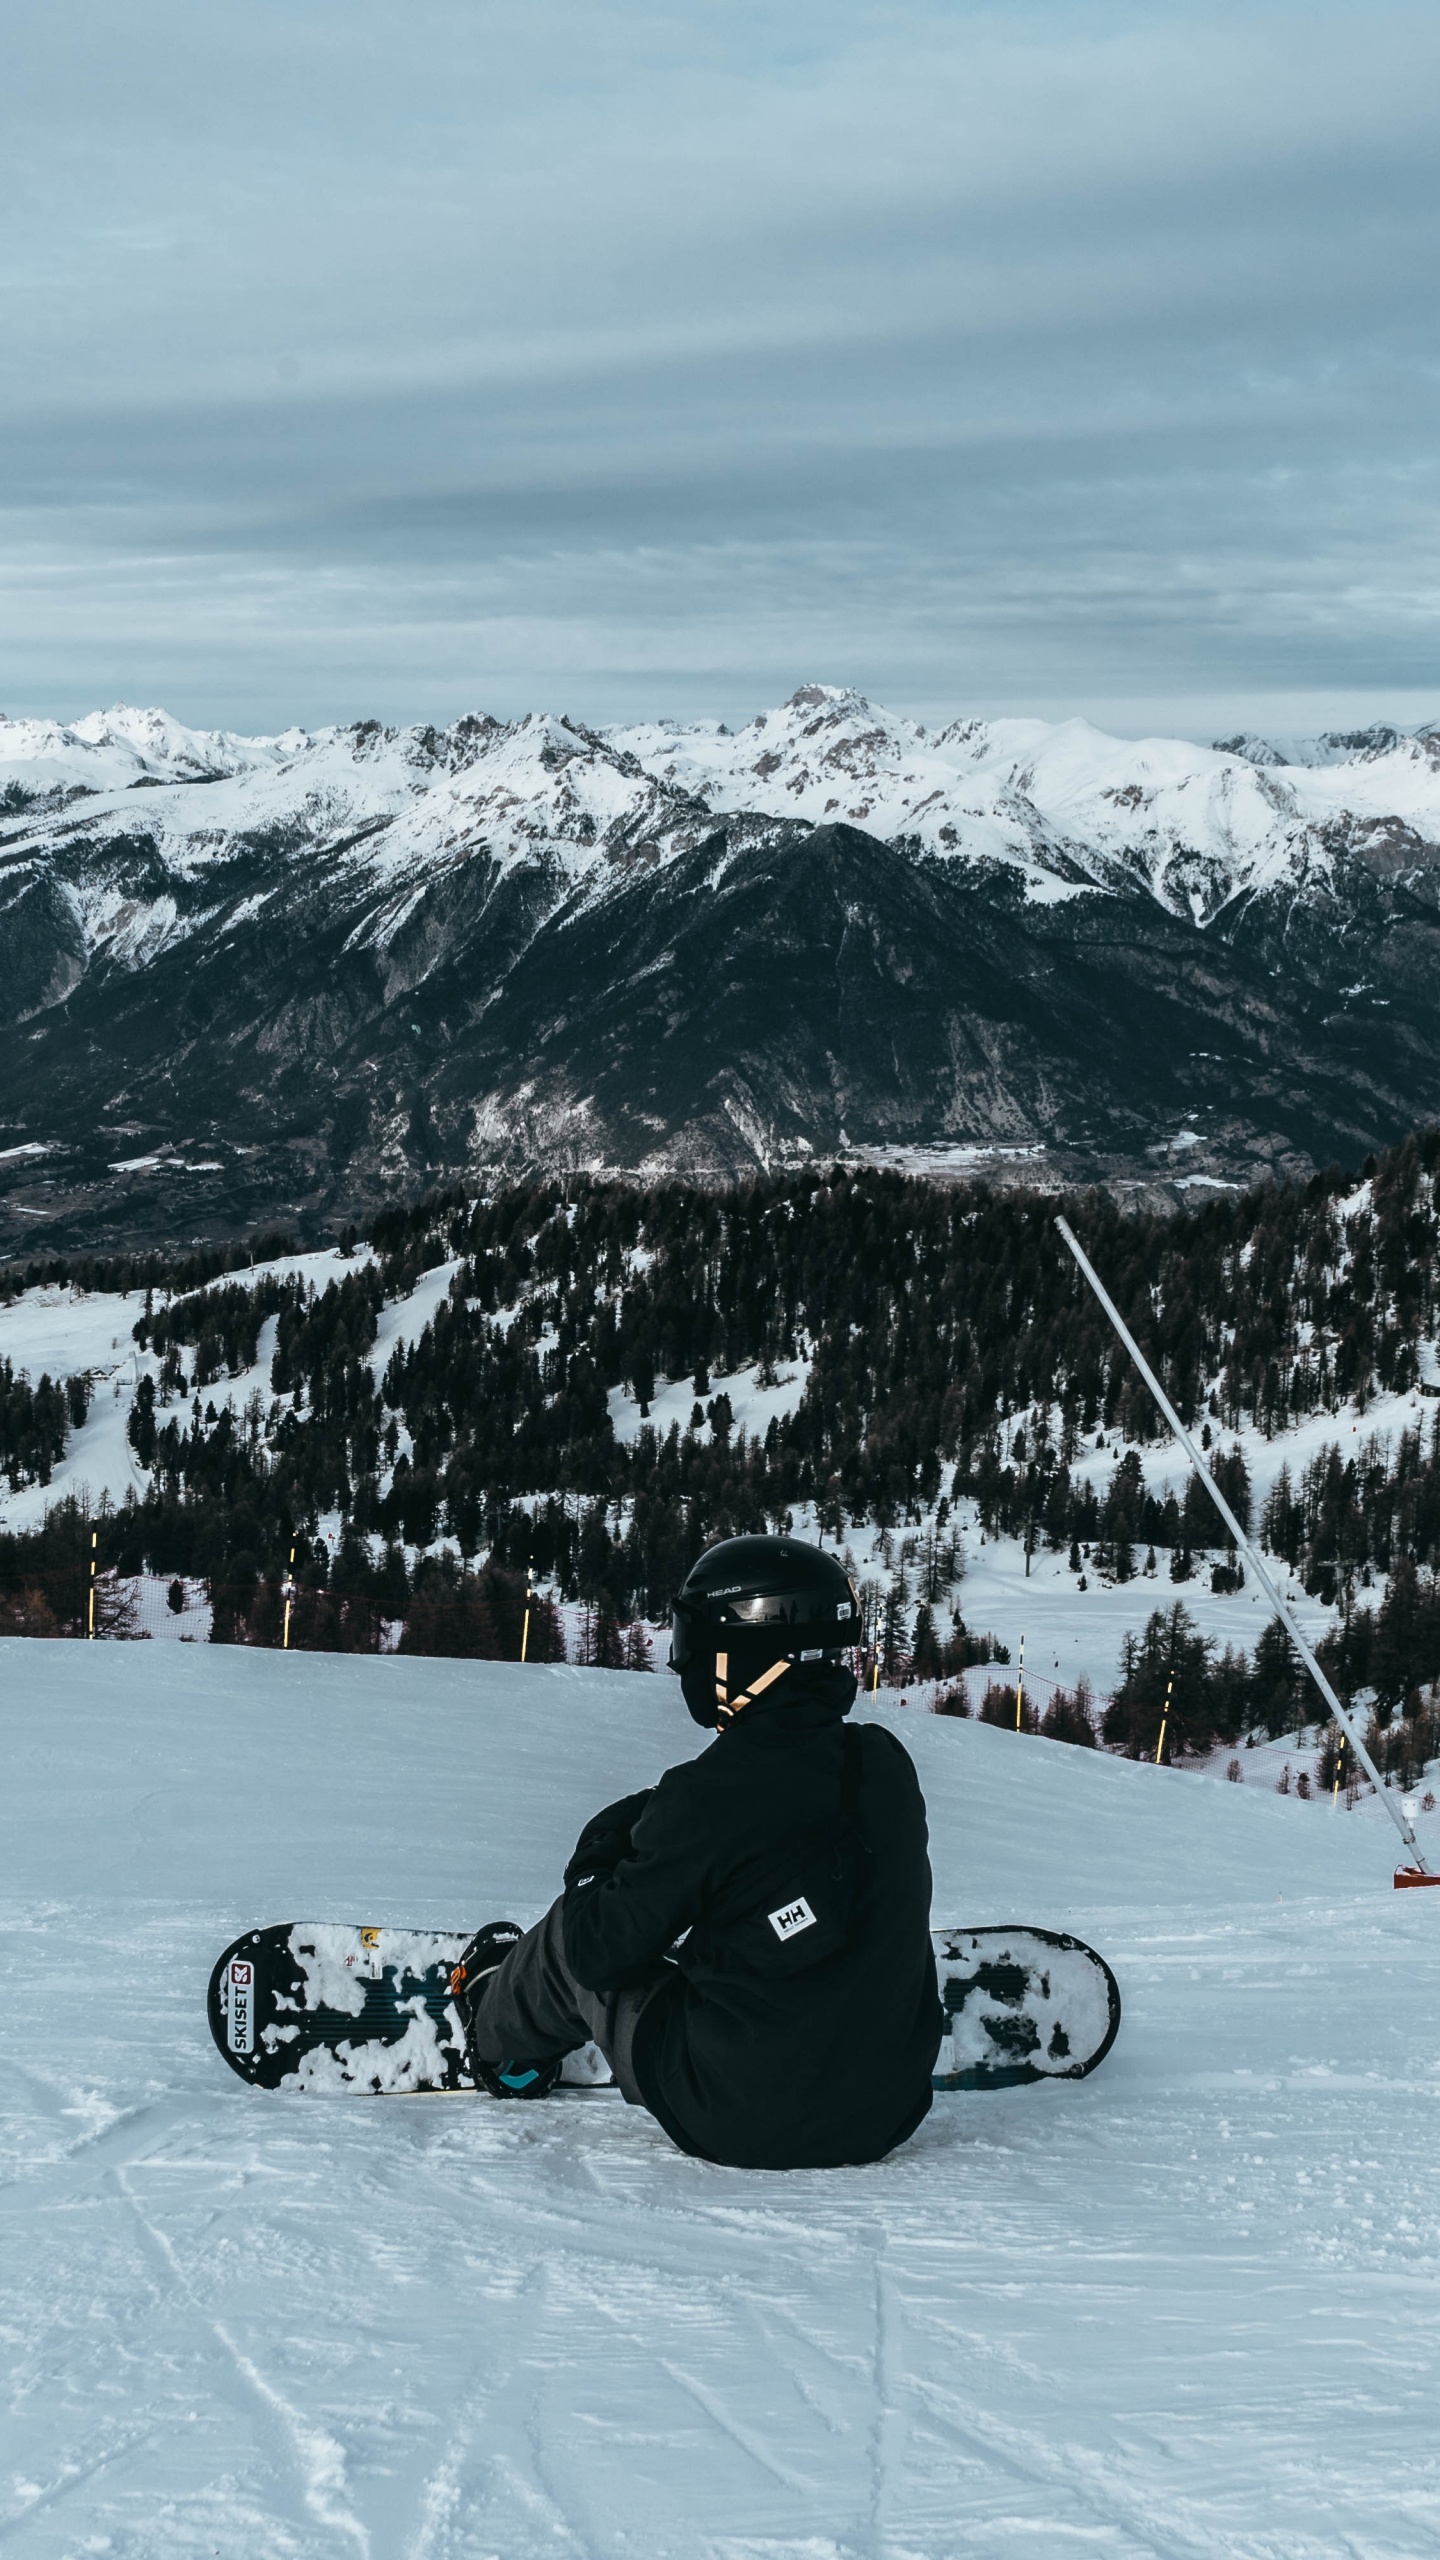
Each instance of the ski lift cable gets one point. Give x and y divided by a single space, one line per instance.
1257 1565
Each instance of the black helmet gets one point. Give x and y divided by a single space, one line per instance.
759 1602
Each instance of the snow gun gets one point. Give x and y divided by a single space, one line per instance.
1415 1871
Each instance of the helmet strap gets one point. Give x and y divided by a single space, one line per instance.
727 1707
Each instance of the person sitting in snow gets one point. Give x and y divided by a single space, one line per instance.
747 1941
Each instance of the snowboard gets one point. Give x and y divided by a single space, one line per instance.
337 2009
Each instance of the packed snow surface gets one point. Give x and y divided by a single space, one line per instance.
1186 2308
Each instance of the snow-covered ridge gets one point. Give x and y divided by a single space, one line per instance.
389 811
1062 804
1061 808
117 750
320 925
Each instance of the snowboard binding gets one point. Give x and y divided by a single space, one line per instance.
479 1962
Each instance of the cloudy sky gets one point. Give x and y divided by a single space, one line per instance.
368 358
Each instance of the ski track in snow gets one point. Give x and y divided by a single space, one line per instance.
1186 2309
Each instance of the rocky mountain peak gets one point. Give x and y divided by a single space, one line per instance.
356 958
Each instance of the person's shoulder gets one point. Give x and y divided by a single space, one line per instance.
878 1738
687 1778
681 1806
882 1749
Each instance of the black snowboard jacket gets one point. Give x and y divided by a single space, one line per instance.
799 2023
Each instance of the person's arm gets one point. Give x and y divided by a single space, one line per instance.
605 1839
622 1914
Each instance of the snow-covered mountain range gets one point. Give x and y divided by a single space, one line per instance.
1062 806
242 976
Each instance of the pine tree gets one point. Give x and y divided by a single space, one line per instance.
926 1660
607 1647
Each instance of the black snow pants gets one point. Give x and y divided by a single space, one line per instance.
533 2008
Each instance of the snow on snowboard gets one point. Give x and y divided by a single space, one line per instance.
335 2008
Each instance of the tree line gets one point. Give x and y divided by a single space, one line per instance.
939 1344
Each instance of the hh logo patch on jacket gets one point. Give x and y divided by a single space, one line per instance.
791 1918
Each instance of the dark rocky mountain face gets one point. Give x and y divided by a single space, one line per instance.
819 989
292 987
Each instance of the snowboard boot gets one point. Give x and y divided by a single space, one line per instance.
481 1959
517 2079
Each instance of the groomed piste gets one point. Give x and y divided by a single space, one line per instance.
1185 2308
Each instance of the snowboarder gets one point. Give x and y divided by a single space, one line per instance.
748 1940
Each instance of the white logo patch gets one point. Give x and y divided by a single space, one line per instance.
241 2034
791 1918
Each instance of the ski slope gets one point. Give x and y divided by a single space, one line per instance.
1187 2308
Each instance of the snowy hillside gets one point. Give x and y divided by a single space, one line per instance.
1069 1634
1187 2308
244 976
595 1385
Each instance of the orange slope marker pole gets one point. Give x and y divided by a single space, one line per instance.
1416 1872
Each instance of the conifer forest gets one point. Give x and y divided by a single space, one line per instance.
949 1354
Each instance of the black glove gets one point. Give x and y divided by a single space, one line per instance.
605 1840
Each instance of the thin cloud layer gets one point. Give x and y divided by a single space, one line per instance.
650 360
